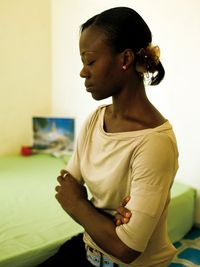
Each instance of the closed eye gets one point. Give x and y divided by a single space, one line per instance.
90 63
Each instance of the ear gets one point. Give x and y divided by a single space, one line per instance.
128 58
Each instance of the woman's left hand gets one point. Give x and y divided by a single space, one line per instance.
69 192
123 215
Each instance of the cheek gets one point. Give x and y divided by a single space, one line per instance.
112 79
106 76
107 73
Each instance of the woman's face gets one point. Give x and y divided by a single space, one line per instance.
102 67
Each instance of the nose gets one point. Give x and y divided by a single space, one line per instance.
84 73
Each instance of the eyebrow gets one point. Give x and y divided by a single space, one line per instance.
86 52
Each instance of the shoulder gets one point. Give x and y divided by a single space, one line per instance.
91 120
159 138
95 115
158 144
157 152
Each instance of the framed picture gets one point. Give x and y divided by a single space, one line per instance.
53 135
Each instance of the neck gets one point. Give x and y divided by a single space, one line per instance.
132 100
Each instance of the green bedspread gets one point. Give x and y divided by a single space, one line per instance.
32 223
181 210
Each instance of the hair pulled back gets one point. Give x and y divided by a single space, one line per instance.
125 28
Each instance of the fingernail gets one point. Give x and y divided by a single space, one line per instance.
125 220
118 222
127 214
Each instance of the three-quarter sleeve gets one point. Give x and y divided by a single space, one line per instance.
154 166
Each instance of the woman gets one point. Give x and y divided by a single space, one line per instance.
124 149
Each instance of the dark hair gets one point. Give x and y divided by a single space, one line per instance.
125 28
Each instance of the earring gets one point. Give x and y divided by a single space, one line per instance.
124 67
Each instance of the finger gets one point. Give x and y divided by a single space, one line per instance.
57 188
66 175
56 196
124 212
120 219
63 172
125 200
125 220
118 222
60 179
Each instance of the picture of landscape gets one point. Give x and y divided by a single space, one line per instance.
53 135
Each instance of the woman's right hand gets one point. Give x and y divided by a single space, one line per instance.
123 215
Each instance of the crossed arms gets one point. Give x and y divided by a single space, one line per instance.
73 198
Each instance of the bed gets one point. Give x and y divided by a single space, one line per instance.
181 210
33 225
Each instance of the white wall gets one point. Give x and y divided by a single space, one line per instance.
25 69
175 26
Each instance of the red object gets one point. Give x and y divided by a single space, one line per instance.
26 150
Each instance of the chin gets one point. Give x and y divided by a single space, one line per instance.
98 98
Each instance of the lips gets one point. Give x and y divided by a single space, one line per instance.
88 87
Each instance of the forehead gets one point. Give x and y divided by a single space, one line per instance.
92 39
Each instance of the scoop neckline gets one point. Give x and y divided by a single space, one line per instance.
164 126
